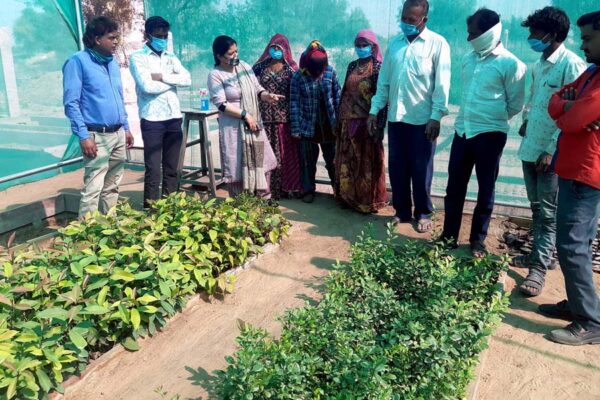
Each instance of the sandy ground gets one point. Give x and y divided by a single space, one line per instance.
520 363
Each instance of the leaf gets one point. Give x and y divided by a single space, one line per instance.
140 276
96 309
135 318
8 269
200 277
77 339
130 344
53 313
77 269
95 269
149 238
43 379
22 307
148 309
22 289
102 295
101 283
11 391
84 262
120 275
6 334
213 235
5 300
70 230
145 299
109 232
128 250
274 236
165 290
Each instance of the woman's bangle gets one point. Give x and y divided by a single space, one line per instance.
243 116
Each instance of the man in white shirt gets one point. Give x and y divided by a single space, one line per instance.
415 81
548 29
157 73
493 91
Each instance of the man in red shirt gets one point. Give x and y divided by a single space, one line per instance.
576 109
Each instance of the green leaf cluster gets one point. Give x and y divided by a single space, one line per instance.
115 278
402 320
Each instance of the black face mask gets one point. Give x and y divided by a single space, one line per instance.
234 62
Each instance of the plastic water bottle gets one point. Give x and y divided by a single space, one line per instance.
204 102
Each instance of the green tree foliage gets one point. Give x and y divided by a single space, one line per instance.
195 23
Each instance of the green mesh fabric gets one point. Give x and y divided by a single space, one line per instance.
195 23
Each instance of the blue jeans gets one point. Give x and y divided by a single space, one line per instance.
542 192
577 224
410 161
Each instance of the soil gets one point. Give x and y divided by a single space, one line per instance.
519 364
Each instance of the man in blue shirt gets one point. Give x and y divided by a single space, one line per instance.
93 101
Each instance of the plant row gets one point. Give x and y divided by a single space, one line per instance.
112 279
402 320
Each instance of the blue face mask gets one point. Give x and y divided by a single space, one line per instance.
276 54
409 29
363 52
100 58
159 44
538 45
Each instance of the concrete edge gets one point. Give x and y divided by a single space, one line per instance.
34 213
118 349
473 388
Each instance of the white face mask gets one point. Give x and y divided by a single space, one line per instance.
488 40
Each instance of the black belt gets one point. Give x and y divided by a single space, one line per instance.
104 128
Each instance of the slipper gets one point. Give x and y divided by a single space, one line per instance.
424 225
534 283
478 250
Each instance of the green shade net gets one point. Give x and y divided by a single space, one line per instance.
195 23
43 34
68 11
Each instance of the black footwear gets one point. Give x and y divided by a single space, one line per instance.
478 249
560 310
534 283
308 197
575 335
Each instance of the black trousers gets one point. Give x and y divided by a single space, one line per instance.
482 152
410 161
162 148
309 156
